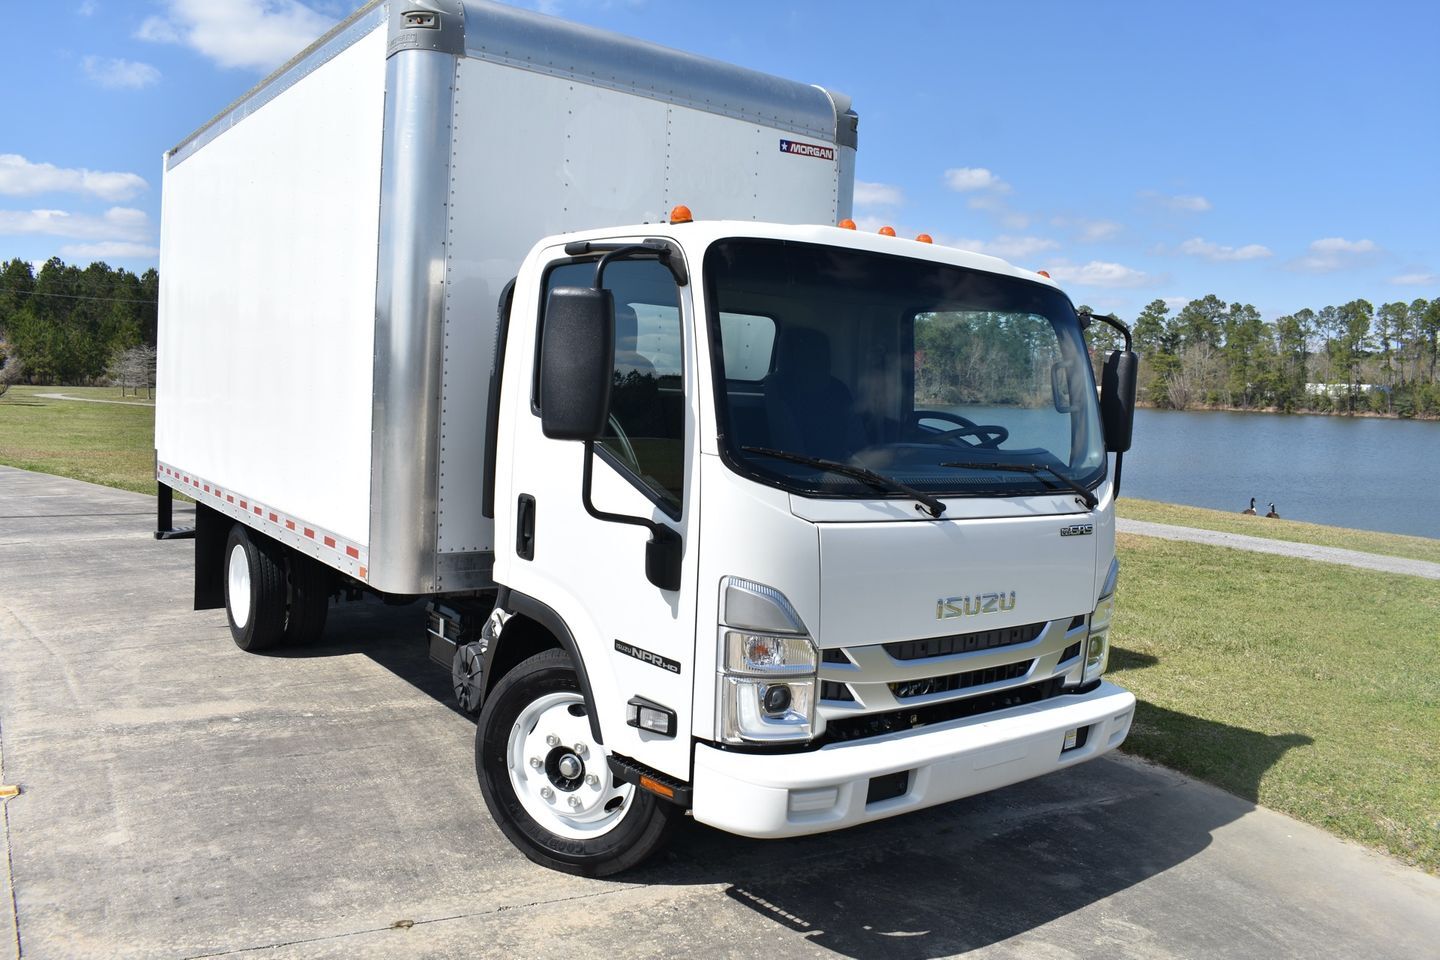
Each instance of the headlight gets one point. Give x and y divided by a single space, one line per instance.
767 680
1097 648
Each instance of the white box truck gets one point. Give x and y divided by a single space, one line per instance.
745 513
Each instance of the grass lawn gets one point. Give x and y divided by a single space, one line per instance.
1391 544
1308 687
107 443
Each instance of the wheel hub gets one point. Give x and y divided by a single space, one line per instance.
547 754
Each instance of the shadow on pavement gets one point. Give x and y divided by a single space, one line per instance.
938 882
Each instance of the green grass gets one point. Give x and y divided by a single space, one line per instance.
100 442
1311 688
1391 544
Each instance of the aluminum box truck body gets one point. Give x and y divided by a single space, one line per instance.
787 525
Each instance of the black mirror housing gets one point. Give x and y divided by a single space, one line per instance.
577 357
1117 399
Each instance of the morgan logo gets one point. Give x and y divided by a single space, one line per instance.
948 608
807 150
1078 530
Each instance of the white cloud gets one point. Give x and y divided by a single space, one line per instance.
1176 304
1004 246
251 34
1181 203
109 250
1330 254
970 179
1099 273
19 177
124 74
1418 278
877 194
1088 231
1214 252
117 223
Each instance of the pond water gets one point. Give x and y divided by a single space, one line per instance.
1360 472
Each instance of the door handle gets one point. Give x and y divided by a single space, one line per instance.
525 527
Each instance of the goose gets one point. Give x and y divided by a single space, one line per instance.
1250 510
1272 514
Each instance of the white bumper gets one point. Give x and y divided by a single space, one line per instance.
792 794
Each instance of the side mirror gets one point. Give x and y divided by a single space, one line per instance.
1117 399
577 357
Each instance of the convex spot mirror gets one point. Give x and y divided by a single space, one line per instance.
577 357
1117 399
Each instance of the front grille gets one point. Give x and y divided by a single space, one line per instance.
879 724
907 689
1070 652
964 642
830 690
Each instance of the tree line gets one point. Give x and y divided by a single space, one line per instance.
73 325
1350 358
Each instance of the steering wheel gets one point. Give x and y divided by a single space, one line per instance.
990 436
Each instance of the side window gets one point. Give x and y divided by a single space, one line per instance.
645 432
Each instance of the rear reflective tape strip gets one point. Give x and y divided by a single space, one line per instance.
354 556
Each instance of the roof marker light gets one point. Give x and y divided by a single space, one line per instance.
887 231
1044 273
924 238
846 224
681 214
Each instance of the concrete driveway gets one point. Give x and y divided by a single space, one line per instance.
183 799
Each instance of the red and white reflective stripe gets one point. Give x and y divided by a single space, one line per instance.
349 556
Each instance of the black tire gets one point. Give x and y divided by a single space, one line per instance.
646 824
262 608
309 600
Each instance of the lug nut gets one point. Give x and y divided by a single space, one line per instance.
575 803
547 793
553 740
535 762
592 780
582 750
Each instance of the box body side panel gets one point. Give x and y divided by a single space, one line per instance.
267 302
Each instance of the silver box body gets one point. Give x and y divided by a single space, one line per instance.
335 243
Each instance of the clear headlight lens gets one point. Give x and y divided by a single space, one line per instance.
1097 648
768 681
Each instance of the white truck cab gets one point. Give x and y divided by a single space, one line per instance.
737 513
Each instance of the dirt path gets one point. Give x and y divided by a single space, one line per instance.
123 403
1284 548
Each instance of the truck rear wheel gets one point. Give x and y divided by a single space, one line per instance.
548 783
308 600
254 591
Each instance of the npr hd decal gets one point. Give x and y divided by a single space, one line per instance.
645 656
807 150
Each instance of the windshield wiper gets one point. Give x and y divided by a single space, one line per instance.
1034 469
932 505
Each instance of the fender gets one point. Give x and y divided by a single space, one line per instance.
541 613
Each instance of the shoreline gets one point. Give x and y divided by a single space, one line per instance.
1276 411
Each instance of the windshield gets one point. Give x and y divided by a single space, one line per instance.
923 372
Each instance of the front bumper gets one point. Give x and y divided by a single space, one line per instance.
792 794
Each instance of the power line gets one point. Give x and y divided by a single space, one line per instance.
71 296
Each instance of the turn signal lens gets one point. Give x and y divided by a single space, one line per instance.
847 224
887 231
681 214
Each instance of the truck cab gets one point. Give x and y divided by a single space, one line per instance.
819 522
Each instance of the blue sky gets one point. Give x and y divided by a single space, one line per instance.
1285 155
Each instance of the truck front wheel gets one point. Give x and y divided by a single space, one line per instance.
254 591
548 783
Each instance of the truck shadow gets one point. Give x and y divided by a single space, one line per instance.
943 881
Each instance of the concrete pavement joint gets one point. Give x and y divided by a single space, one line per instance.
9 878
503 908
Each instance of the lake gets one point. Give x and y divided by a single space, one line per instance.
1360 472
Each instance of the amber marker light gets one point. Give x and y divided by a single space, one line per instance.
846 224
1044 273
681 214
887 231
924 238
